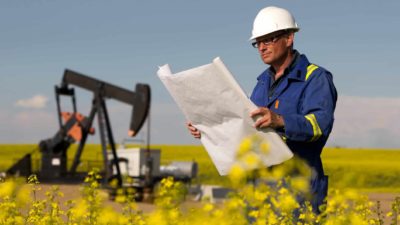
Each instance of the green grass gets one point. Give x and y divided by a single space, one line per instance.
366 169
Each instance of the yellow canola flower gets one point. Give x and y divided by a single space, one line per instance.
283 191
278 172
168 182
81 209
254 214
285 201
253 143
107 216
174 214
260 195
7 189
157 218
120 198
208 207
357 220
218 213
19 220
272 219
113 183
262 221
245 146
235 203
94 185
289 203
300 184
251 160
264 148
24 195
237 174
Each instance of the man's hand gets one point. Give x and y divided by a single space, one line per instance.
267 118
193 130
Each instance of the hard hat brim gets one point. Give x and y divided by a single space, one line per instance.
294 30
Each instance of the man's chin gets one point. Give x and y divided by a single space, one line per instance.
266 61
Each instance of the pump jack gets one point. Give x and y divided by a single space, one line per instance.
77 127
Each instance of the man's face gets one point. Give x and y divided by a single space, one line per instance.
274 47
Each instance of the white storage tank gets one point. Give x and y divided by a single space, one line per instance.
133 161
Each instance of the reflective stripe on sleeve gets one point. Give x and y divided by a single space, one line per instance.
310 69
316 130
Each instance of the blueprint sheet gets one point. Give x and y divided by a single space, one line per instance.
212 100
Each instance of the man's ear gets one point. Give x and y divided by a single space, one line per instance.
290 39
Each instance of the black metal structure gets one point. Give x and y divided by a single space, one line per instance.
22 167
77 127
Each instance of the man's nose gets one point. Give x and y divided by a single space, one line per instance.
262 47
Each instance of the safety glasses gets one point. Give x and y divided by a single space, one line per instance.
268 41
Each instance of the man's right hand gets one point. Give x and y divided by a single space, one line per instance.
193 130
267 118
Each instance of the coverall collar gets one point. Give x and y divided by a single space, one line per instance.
291 66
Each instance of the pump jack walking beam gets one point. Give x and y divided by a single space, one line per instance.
140 99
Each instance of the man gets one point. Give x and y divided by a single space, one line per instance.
295 97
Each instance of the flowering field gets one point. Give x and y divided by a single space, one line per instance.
370 170
376 170
250 203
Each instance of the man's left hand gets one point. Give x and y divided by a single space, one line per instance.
267 118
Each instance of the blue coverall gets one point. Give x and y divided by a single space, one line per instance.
306 98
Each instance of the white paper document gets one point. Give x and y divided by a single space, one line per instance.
213 101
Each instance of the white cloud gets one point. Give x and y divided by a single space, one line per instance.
359 122
366 122
27 126
36 102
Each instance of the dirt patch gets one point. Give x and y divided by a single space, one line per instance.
386 200
73 192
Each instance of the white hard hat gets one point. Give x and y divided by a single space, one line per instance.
271 19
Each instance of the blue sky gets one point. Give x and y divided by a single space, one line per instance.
124 42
